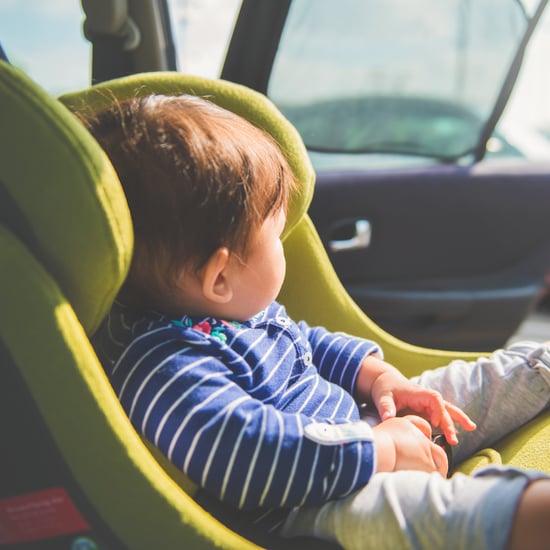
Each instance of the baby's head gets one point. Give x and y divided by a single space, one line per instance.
198 179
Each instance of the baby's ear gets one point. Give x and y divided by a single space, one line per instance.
215 280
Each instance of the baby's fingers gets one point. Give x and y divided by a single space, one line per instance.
386 406
460 417
452 416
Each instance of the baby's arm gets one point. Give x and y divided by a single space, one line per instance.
356 365
391 392
336 355
239 449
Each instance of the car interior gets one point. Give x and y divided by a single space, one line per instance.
402 129
74 467
432 215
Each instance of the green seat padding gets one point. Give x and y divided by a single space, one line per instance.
57 183
125 484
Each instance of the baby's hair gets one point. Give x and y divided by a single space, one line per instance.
196 177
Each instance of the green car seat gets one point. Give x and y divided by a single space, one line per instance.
73 470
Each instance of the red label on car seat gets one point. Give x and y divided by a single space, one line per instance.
39 515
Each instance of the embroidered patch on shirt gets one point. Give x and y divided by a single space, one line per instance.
338 434
213 327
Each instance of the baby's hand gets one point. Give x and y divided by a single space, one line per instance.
404 443
391 392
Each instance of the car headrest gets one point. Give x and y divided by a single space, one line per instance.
60 195
251 105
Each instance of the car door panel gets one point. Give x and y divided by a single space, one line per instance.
454 252
473 320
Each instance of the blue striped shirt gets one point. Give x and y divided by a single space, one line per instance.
246 410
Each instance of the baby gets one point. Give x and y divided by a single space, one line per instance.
212 370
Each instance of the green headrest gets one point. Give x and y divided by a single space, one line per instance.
250 104
60 195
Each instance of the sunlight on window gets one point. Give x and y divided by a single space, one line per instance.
45 40
202 29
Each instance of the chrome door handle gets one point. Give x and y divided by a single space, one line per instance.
361 239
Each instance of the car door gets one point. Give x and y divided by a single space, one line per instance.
436 222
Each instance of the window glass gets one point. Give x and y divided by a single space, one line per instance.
400 77
526 121
202 30
44 38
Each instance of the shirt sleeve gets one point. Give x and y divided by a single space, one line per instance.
337 355
239 449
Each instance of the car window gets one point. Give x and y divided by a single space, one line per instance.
45 39
401 78
202 30
526 121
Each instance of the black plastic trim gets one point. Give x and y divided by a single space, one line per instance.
255 42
